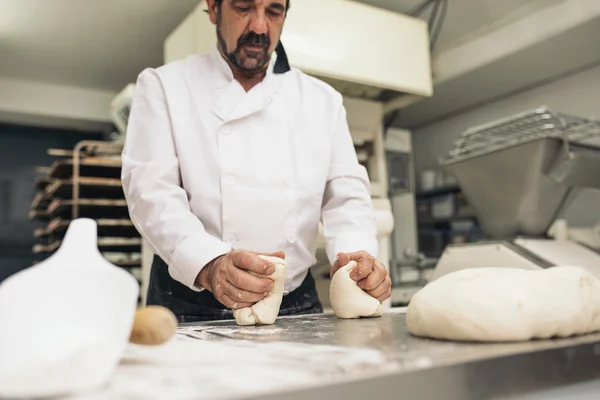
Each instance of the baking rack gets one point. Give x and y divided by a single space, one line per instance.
542 122
85 183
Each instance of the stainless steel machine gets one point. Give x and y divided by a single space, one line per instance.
518 173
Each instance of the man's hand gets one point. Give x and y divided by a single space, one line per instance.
370 274
228 278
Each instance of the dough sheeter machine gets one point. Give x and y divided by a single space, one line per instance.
518 174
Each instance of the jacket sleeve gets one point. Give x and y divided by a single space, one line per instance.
157 203
347 212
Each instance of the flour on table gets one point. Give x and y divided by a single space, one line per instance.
506 304
186 368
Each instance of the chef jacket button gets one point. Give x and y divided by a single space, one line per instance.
291 238
230 180
288 182
281 134
225 131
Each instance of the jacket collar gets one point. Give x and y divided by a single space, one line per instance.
220 64
232 101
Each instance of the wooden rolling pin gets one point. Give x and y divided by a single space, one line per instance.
153 326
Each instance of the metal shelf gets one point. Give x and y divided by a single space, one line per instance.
57 228
88 208
109 244
542 122
86 183
93 167
89 187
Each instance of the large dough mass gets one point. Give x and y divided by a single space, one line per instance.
265 311
348 300
505 304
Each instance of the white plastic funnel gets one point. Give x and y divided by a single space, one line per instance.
65 322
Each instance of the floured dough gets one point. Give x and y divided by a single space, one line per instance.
265 311
506 304
348 300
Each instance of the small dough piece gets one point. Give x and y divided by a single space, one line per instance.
348 300
265 312
153 326
506 305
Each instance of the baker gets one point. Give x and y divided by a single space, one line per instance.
232 154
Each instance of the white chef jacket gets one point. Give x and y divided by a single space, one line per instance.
209 167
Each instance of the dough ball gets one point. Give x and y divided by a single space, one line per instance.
265 312
506 304
348 300
153 325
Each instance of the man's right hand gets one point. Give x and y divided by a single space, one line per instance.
229 280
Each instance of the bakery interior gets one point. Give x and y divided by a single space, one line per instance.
478 123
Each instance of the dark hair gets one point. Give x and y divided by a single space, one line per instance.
287 3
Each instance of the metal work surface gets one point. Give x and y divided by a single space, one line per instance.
320 356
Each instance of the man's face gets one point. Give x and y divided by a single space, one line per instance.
248 30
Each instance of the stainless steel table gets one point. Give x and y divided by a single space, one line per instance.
322 357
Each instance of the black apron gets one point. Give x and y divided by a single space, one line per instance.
191 306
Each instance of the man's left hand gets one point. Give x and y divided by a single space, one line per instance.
370 274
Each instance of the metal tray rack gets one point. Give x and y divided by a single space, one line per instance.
542 122
85 183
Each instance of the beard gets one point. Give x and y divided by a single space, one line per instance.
242 57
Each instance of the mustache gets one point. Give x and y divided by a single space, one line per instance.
254 39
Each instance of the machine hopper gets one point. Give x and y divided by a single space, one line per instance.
518 173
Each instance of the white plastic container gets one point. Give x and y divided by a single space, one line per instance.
65 322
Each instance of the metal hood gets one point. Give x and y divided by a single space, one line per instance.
363 51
